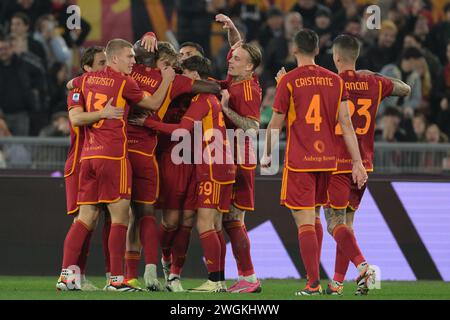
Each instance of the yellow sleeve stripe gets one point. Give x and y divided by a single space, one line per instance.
248 96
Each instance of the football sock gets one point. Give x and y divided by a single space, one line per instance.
149 239
336 284
340 266
308 249
252 278
229 226
362 267
73 243
150 269
223 253
166 237
117 247
173 276
132 259
241 246
105 239
319 235
211 250
82 259
346 241
180 247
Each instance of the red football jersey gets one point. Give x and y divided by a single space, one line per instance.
140 139
245 100
206 109
174 114
310 96
107 138
74 99
365 95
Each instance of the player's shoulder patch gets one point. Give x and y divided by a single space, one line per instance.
76 96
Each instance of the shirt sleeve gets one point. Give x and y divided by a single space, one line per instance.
181 85
131 92
197 110
75 99
282 97
386 86
78 81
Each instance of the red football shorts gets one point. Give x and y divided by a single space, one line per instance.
178 185
244 189
145 182
214 196
304 190
104 181
343 193
72 191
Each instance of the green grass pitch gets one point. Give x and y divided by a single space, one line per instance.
43 288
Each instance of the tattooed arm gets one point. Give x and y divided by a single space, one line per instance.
244 123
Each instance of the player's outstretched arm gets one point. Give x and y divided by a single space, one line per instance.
244 123
358 172
203 86
166 128
400 89
78 117
233 34
276 123
155 101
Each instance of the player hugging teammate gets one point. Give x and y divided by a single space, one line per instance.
123 160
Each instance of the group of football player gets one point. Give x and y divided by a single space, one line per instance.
132 106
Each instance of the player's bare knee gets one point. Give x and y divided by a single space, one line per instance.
334 217
88 215
170 219
188 218
234 214
147 210
331 221
349 217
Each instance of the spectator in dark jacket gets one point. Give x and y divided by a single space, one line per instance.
17 97
273 28
20 27
278 52
32 8
57 88
348 11
441 110
440 36
308 10
60 126
384 51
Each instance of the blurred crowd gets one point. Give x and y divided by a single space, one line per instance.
36 55
412 43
